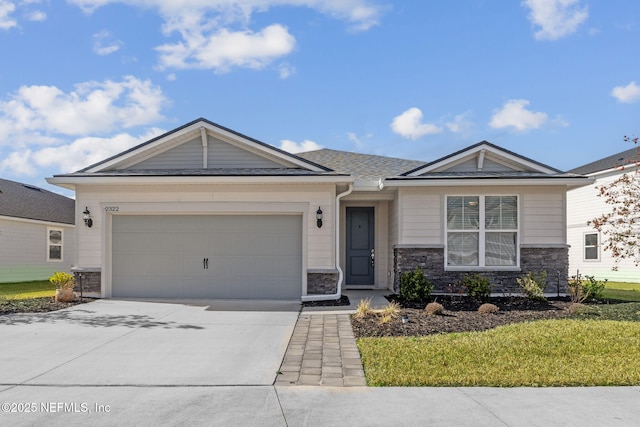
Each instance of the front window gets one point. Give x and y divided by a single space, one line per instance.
482 231
54 244
591 252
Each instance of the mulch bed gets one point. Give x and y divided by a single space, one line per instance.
35 305
460 315
344 300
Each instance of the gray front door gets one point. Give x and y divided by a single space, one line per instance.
360 246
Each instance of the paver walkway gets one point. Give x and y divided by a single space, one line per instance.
322 351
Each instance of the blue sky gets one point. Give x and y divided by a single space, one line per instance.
554 80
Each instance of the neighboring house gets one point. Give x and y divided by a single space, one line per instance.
583 204
36 232
205 212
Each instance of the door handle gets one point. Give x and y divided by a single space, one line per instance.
205 263
373 258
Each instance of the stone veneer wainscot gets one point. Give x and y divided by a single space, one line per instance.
554 260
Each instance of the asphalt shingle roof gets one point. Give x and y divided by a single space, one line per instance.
616 160
362 166
26 201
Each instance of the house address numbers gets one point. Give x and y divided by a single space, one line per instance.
111 208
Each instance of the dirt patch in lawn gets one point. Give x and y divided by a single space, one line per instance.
460 315
35 305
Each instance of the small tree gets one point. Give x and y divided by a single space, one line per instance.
621 226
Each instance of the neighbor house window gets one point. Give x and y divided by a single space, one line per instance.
591 247
482 231
54 244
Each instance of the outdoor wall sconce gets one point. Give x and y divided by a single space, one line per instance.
86 217
319 217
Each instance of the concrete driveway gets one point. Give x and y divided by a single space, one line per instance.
136 343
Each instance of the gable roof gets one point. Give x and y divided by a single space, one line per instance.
362 166
29 202
617 160
512 160
155 145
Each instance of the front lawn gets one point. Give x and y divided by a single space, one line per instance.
622 291
567 352
26 290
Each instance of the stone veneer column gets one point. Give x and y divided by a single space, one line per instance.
322 282
89 278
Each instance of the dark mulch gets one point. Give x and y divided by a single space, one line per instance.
460 315
344 300
35 305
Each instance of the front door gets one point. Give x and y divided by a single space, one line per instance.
360 256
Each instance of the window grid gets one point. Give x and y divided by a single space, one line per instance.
501 237
54 244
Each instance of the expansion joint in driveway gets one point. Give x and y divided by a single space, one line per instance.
322 351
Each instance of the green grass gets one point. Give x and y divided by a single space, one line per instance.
622 291
26 290
545 353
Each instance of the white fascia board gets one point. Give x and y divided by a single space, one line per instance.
496 155
69 181
36 221
498 182
229 137
616 171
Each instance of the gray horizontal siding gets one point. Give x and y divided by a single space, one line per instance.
184 156
225 155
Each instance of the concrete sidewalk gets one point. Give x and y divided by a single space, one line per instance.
320 406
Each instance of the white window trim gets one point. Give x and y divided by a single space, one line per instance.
584 247
481 236
49 244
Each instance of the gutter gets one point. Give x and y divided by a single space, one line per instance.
338 293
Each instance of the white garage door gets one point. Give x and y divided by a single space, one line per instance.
213 256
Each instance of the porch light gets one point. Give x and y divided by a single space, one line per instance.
86 217
319 217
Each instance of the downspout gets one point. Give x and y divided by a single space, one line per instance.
338 293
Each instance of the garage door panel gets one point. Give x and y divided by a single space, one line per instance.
249 256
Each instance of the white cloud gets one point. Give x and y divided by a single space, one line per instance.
627 94
73 156
104 43
215 34
556 18
295 147
226 49
6 21
285 70
515 114
460 124
409 125
36 16
92 107
19 163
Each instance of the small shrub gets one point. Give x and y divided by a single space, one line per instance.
364 308
477 286
392 310
487 308
434 308
62 280
580 290
532 285
593 287
414 286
